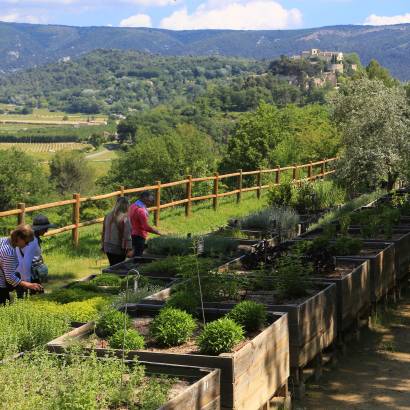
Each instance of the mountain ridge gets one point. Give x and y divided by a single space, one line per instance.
28 45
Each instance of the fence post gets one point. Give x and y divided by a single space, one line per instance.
21 218
277 179
240 185
157 204
322 169
259 182
122 189
216 191
76 219
310 171
188 205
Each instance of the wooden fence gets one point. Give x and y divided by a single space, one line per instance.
310 171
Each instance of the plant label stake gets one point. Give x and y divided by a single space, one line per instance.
199 249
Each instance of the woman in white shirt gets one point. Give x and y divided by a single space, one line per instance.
31 255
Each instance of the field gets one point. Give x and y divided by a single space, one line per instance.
45 117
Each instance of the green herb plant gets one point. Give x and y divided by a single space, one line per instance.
252 316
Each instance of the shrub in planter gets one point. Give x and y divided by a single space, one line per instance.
345 245
69 295
184 300
282 195
43 381
220 336
317 253
250 315
172 327
307 199
107 280
26 325
170 245
128 339
292 277
110 322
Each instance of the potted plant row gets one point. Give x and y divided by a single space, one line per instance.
248 344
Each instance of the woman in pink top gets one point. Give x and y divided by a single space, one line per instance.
140 227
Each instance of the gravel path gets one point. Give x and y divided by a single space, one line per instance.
375 372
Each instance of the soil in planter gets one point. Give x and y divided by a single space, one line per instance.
142 325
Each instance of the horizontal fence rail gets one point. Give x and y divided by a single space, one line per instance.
311 171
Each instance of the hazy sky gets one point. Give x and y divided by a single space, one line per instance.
196 14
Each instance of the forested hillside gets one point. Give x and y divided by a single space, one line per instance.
115 81
25 45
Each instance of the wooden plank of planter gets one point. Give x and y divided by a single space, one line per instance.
261 365
353 293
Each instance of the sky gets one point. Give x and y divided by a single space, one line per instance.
210 14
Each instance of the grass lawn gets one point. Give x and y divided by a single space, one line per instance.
67 264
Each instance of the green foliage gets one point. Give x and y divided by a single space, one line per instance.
250 315
292 277
70 172
374 123
67 295
110 322
168 157
172 327
272 136
183 300
107 280
178 265
345 246
26 325
21 180
376 72
40 380
282 195
129 339
220 336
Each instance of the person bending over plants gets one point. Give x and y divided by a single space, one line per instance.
9 281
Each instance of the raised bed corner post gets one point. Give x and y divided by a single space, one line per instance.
310 171
76 219
240 185
157 214
259 182
21 217
216 191
188 204
277 177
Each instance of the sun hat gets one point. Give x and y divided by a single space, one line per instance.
41 222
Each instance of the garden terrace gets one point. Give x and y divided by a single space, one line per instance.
250 375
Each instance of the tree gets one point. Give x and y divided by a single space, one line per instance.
21 179
374 122
183 151
376 72
70 172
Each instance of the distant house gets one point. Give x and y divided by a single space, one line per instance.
334 59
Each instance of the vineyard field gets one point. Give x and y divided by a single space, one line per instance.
46 147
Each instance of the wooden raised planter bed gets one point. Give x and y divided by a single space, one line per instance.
353 293
250 376
401 240
382 269
123 268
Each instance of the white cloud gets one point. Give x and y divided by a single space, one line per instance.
139 20
15 17
236 15
375 20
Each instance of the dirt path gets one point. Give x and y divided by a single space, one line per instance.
375 372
